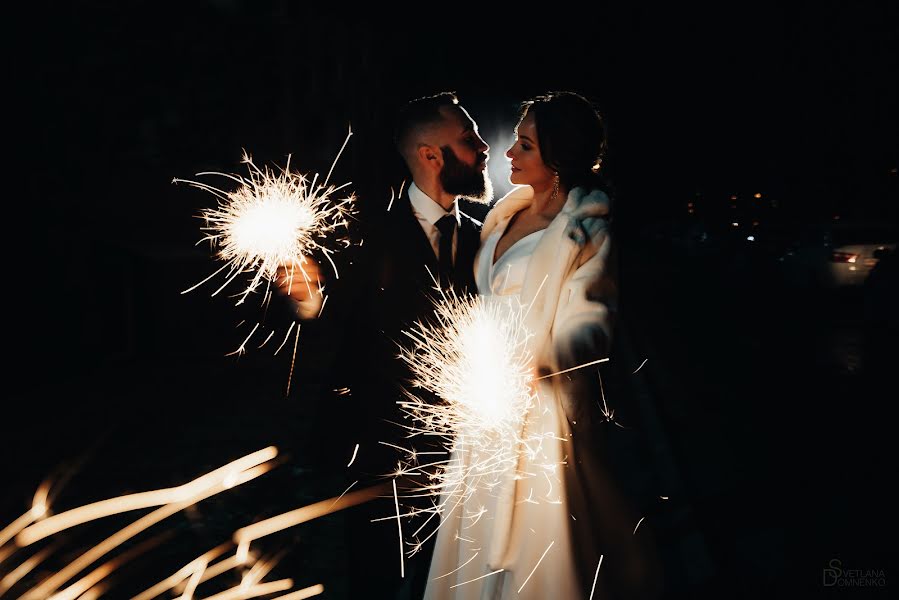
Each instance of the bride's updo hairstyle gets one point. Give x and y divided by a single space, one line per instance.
571 136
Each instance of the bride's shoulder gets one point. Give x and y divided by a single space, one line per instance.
519 192
516 199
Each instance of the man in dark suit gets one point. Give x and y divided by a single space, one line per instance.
388 287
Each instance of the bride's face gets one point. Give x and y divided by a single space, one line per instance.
527 164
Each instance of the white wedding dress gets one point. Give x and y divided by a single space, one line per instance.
489 546
541 525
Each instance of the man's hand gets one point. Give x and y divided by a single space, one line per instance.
300 281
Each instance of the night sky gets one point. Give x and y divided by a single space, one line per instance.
112 101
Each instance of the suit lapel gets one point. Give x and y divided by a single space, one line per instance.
466 248
412 251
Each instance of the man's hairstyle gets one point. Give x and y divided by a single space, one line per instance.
418 114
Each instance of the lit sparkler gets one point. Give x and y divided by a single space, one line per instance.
274 219
475 358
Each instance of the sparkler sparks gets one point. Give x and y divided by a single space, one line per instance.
595 577
490 413
475 358
355 450
638 525
535 566
274 219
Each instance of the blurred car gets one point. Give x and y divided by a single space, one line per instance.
837 254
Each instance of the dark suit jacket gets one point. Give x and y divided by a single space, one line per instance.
385 290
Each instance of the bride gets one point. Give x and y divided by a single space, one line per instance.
541 529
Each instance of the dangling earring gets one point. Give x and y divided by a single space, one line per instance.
555 193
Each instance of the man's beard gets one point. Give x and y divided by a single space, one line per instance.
460 179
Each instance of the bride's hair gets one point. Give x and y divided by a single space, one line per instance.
572 138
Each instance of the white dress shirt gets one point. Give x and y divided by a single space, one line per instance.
428 212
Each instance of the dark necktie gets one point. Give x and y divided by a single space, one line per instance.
447 227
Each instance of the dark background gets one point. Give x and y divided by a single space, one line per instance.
109 367
119 100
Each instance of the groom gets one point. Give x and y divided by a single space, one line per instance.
424 236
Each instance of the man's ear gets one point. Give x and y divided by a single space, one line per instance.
430 156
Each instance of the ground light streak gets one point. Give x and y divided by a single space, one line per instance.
273 219
97 575
120 504
11 530
25 568
39 504
246 535
58 579
195 580
6 553
241 592
38 510
176 579
55 581
186 580
209 572
309 592
95 592
261 568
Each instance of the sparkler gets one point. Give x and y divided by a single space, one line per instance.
475 358
270 225
274 219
